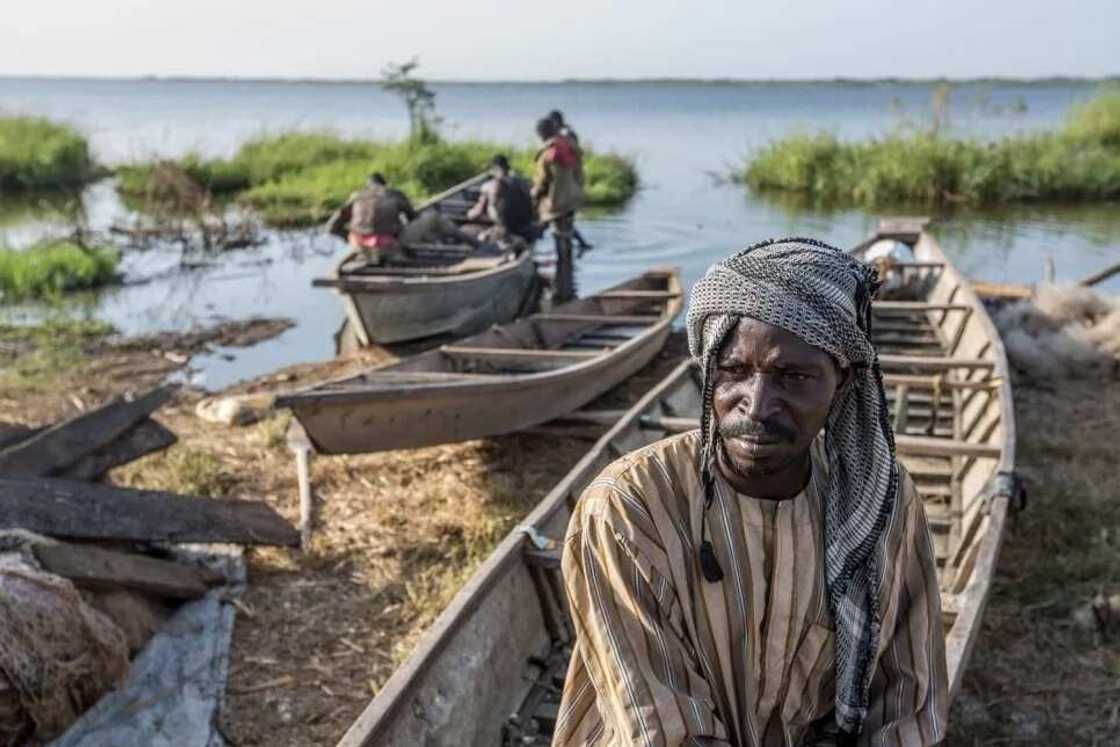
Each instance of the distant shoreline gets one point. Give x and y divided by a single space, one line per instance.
997 80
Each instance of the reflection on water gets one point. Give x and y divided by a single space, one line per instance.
680 134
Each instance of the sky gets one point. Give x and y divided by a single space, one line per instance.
529 40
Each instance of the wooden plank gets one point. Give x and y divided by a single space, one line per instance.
600 318
13 433
630 294
901 408
916 381
945 447
914 265
96 568
1101 276
146 437
82 510
918 306
454 190
516 354
364 280
1002 291
932 363
906 229
64 444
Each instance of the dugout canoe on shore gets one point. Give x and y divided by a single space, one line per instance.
440 290
490 667
506 379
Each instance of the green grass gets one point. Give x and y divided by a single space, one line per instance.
299 178
45 351
1081 161
49 269
36 153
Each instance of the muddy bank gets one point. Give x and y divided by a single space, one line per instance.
56 369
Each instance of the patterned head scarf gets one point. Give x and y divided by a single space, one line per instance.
823 296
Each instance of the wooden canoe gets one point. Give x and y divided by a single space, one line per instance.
503 380
489 667
440 290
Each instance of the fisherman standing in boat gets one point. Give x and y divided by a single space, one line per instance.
558 193
506 200
768 579
371 220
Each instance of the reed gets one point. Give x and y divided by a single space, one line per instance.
298 178
36 153
1080 161
51 268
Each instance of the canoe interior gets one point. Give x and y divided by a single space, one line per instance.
491 668
566 335
506 379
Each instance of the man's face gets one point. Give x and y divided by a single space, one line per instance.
772 395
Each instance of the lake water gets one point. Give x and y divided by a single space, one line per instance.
683 136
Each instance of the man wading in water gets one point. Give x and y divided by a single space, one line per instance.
768 579
558 193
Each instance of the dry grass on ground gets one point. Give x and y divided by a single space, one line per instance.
397 533
1045 671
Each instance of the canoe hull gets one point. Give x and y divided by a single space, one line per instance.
472 411
393 310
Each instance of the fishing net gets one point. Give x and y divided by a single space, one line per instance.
58 655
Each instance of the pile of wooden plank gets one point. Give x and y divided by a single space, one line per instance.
45 489
104 538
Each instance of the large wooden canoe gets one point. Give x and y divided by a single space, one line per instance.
508 378
440 290
490 667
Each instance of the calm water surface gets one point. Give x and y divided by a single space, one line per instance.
681 134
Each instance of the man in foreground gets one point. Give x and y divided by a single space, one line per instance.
768 579
371 220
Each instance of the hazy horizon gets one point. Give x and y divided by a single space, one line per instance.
1044 79
585 40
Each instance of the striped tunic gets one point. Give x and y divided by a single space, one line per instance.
663 657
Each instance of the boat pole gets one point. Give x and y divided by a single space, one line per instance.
300 445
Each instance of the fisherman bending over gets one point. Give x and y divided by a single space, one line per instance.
371 220
769 578
507 202
558 192
433 227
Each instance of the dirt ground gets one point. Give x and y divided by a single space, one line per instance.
1046 669
397 533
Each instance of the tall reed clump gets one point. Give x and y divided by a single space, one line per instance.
52 268
298 178
1080 161
36 153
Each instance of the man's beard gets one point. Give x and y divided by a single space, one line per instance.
750 466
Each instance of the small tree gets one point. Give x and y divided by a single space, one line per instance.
420 100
